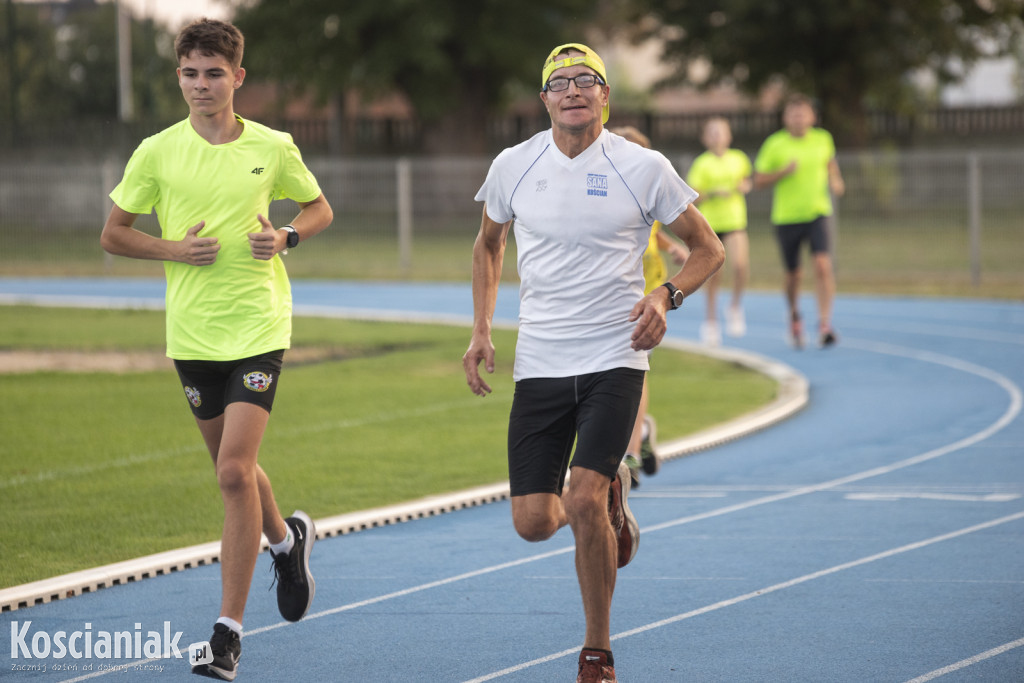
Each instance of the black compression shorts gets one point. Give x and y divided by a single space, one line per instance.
792 235
596 411
210 385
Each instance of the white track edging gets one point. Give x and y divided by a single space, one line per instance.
89 580
792 396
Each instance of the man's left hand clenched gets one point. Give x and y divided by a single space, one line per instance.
650 324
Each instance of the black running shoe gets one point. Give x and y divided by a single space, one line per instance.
226 648
295 585
828 338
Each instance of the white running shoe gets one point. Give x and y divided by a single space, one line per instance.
710 333
735 322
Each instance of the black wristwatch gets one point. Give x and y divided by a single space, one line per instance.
675 297
293 236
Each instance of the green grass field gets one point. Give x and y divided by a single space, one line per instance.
99 467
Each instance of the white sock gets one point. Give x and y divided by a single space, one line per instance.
231 624
285 546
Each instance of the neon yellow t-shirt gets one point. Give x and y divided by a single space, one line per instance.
802 196
238 306
713 173
655 273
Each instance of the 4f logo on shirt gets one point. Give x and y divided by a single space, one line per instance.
597 185
257 381
258 170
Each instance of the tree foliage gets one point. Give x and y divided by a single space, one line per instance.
850 54
65 65
456 62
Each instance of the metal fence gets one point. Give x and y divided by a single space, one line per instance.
991 127
911 221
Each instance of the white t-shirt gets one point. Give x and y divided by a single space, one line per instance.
581 228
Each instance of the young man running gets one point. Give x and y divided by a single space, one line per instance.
211 178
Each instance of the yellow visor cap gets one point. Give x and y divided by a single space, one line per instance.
588 58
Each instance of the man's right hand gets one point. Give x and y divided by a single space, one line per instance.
480 349
199 251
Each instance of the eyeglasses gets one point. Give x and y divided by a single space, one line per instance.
581 81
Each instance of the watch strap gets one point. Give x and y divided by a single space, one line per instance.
293 236
673 291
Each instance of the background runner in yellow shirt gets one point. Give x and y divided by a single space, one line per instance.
722 177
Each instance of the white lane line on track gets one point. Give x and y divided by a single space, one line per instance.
761 592
660 490
953 331
957 497
981 582
968 662
1013 410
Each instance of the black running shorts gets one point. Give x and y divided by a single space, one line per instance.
595 411
792 235
210 385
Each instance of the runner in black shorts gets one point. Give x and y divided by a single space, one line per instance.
210 385
791 237
799 164
228 304
586 324
595 411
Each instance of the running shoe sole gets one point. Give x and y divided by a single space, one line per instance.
629 532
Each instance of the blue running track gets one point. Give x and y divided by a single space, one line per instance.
877 535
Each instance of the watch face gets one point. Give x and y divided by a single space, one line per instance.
293 238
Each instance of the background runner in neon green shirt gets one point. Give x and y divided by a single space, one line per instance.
211 179
799 163
722 177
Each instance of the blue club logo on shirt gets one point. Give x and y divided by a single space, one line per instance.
597 185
